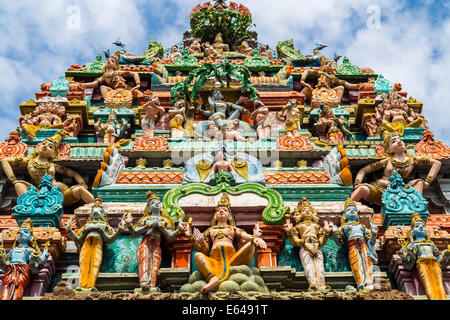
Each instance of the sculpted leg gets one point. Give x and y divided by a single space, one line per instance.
21 188
207 271
85 262
339 92
104 90
361 192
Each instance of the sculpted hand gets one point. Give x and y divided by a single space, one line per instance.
328 227
180 225
198 235
257 231
288 225
187 231
260 243
128 219
68 225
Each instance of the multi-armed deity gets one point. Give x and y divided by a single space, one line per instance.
153 225
90 238
216 252
396 158
420 252
310 237
42 162
360 242
24 259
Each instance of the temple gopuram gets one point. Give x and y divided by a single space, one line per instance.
223 169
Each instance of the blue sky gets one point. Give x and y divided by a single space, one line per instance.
411 45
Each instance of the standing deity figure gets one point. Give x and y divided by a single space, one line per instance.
360 242
216 253
261 118
153 225
291 117
112 131
327 69
310 237
419 251
90 238
153 108
112 78
178 117
397 158
219 110
41 163
24 258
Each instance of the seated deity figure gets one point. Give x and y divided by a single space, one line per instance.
264 51
40 163
420 252
331 128
360 242
396 158
24 258
112 131
174 53
211 54
153 225
329 71
220 109
153 109
112 78
261 118
245 49
291 117
195 48
216 253
310 237
219 45
90 238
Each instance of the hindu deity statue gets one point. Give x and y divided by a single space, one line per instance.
112 78
47 116
220 109
221 165
153 225
360 242
195 48
174 53
90 238
213 133
331 128
420 252
310 237
211 54
219 45
328 70
24 258
245 49
264 51
40 163
396 158
112 131
231 134
261 118
216 253
178 116
291 117
323 94
153 109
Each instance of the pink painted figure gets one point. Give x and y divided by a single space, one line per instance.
231 134
153 108
261 118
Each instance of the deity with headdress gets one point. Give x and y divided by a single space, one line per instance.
24 258
216 253
42 162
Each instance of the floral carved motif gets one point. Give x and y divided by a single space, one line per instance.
297 143
151 144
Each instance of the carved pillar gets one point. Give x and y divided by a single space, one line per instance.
274 238
181 251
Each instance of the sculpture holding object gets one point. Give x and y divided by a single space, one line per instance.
49 116
153 225
24 259
393 114
310 237
360 242
89 240
291 116
238 167
216 253
40 163
261 118
114 132
396 158
331 128
327 70
112 82
153 109
420 252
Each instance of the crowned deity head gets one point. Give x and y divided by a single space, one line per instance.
25 233
393 143
305 212
153 204
418 230
112 62
98 212
217 95
49 148
223 212
326 65
350 212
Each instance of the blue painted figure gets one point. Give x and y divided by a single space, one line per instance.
360 242
25 258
